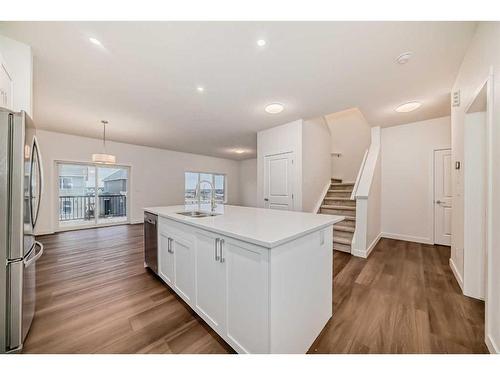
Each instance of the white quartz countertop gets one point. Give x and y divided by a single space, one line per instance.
260 226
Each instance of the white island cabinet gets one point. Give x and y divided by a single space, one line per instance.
262 290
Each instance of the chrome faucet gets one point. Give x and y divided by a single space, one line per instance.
212 198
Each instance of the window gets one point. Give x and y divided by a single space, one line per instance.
92 194
65 183
193 178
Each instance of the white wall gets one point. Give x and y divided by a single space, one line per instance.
157 175
316 162
482 55
350 136
248 182
278 140
19 60
407 178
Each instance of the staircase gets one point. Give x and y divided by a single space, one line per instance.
338 202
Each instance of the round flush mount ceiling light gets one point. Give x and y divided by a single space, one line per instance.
239 151
403 58
95 41
261 42
200 89
408 107
274 108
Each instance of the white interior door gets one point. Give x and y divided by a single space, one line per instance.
278 181
442 197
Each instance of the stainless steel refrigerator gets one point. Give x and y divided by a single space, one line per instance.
20 192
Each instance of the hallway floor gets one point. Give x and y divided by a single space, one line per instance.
94 296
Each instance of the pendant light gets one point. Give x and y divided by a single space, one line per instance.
104 158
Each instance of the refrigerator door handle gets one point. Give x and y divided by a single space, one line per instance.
30 260
35 155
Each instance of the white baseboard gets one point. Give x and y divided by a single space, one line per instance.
404 237
366 253
492 347
457 275
137 221
44 232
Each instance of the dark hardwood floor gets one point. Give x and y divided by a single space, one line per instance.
94 296
402 299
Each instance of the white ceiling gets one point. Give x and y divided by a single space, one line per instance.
144 78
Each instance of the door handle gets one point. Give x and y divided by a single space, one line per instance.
32 260
439 202
217 249
35 153
266 199
221 243
169 246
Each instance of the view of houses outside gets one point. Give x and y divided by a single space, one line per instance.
77 194
112 193
191 181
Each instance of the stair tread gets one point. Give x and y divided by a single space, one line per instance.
339 199
336 207
345 249
342 183
340 191
350 218
343 228
341 240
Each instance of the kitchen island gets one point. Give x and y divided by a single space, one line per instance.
262 279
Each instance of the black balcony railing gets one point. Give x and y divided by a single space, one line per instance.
82 207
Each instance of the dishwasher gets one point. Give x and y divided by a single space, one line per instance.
151 241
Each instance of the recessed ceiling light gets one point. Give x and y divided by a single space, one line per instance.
408 107
261 42
274 108
200 89
403 58
95 41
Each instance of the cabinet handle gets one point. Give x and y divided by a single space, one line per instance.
222 259
169 247
217 249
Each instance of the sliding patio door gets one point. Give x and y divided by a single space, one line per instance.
112 190
91 195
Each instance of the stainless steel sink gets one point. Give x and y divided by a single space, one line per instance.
197 213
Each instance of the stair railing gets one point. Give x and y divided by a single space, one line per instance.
358 177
